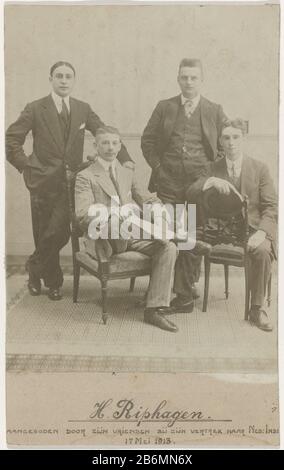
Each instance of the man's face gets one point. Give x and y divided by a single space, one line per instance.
232 142
190 81
108 145
62 80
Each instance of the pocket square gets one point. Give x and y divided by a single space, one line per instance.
82 126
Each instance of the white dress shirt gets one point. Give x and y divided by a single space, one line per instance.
58 101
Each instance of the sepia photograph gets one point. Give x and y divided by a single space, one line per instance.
141 227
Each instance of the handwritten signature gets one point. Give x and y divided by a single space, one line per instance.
127 410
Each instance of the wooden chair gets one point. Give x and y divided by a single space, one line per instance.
129 264
228 233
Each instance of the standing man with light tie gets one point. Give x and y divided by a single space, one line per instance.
179 141
58 124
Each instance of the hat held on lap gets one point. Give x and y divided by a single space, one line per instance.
222 205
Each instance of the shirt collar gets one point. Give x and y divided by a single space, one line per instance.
237 163
106 165
58 101
195 100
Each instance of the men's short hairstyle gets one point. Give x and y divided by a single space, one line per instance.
59 64
191 63
237 123
107 130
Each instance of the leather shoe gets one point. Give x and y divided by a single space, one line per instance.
181 305
54 294
259 318
155 316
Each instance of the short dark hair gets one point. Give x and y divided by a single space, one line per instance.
191 63
59 64
237 123
107 130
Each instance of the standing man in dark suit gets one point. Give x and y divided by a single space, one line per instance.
179 141
58 124
251 178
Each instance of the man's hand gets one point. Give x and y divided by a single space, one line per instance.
129 164
153 199
223 186
92 158
256 239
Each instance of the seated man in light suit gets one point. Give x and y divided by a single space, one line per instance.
99 183
251 178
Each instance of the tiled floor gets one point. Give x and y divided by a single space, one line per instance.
62 336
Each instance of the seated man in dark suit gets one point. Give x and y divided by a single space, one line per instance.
251 178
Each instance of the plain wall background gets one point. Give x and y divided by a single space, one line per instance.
126 58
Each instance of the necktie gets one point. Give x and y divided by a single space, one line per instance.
188 108
64 120
64 112
114 181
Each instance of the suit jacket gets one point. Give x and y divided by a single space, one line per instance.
257 185
158 131
94 186
44 168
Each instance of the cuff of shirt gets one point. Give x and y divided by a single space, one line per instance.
208 183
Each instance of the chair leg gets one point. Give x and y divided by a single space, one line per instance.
206 282
104 300
247 290
226 272
132 284
269 291
76 279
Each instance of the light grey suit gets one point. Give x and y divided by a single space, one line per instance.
94 185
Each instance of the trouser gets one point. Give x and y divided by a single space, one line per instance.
163 256
259 271
51 231
187 272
